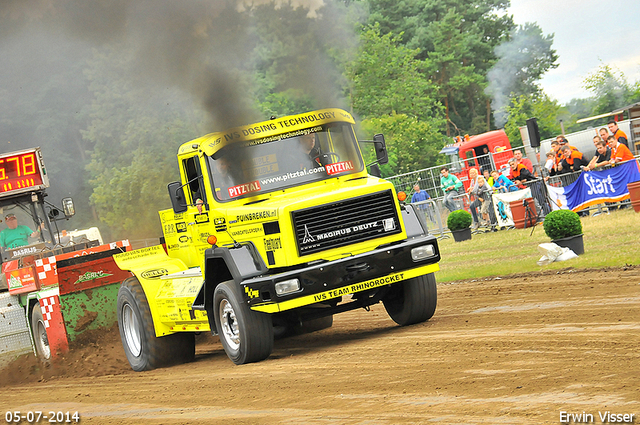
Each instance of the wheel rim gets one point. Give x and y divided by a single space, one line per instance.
229 325
43 341
131 328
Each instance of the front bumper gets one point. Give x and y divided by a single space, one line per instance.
328 280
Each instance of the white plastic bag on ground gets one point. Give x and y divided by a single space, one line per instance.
552 252
568 254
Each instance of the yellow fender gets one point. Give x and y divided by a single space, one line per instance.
170 298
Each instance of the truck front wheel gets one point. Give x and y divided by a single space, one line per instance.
412 300
143 349
40 340
246 335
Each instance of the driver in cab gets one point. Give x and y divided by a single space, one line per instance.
15 235
305 153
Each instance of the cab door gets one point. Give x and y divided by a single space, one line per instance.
198 224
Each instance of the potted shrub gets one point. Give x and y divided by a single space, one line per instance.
565 229
459 222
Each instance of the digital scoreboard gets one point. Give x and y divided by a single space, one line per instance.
22 171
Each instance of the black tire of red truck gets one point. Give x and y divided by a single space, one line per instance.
39 331
246 335
143 349
412 301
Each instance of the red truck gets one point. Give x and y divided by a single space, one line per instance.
58 285
490 150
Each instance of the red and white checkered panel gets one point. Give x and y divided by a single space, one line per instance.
46 307
47 271
54 324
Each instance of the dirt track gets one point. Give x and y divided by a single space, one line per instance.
515 351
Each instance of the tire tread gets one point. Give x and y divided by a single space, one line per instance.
413 302
156 351
256 342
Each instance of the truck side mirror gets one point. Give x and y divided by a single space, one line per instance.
381 149
68 207
176 194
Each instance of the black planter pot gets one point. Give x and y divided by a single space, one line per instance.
574 243
461 235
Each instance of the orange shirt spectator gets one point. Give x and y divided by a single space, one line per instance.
620 136
519 173
517 154
619 152
562 143
573 160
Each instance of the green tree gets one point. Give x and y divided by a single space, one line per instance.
457 39
412 144
484 20
452 72
537 105
610 89
386 79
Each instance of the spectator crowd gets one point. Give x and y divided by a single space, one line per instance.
611 147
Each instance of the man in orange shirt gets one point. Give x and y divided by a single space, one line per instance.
573 160
519 173
517 154
620 136
619 152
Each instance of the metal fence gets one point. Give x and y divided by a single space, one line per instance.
429 178
436 213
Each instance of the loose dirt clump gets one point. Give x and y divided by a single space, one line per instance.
86 320
94 353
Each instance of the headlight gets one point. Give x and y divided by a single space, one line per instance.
287 286
422 252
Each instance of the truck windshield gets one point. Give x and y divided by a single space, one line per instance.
21 236
455 162
264 165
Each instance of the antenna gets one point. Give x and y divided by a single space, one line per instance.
235 242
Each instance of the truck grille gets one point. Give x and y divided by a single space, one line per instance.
345 222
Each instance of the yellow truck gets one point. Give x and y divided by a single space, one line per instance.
274 228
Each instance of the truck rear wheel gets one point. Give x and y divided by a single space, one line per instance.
412 301
144 350
246 335
39 330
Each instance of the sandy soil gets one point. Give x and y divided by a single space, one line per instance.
517 350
